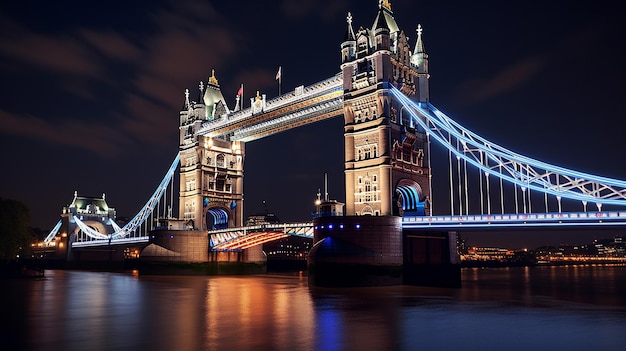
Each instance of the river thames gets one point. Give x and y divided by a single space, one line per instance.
533 308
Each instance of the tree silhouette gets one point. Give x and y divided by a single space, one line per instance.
15 234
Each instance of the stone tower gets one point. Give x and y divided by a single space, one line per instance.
386 160
211 169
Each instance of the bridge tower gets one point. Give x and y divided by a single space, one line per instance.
386 161
386 168
93 212
211 169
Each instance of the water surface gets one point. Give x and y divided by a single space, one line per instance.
573 307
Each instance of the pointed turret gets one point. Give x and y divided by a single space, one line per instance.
387 16
419 56
349 36
186 104
348 47
213 99
420 60
381 31
385 21
201 92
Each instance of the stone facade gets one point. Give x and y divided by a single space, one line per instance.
211 169
383 148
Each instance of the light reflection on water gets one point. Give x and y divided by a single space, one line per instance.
575 307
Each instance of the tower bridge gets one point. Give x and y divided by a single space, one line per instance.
382 93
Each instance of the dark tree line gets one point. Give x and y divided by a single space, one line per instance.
15 232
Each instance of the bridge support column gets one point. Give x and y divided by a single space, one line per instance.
356 251
249 261
431 258
187 252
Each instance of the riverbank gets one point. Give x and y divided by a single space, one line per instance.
18 270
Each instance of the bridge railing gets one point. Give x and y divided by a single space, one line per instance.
121 241
521 219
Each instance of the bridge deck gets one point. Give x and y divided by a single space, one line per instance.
493 221
230 239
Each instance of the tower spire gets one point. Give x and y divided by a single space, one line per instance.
419 44
187 103
349 30
212 79
201 87
419 59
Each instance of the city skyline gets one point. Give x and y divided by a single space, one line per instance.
104 86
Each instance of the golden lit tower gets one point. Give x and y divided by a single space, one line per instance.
386 161
211 169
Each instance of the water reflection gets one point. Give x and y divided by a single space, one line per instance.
574 307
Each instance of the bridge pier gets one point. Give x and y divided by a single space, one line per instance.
248 261
354 251
431 258
188 252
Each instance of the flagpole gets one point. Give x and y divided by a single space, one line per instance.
279 76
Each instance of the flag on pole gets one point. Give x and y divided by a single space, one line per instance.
278 77
240 97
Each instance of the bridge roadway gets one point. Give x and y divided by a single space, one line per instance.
231 239
521 220
304 105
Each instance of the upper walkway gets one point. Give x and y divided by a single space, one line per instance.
303 105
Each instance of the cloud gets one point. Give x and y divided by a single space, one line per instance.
192 39
60 53
100 139
324 9
509 78
254 80
150 122
185 40
563 53
111 44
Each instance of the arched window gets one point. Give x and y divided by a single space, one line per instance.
219 160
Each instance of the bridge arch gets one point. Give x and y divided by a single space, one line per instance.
409 198
217 218
80 235
368 211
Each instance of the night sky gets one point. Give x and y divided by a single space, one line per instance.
91 91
